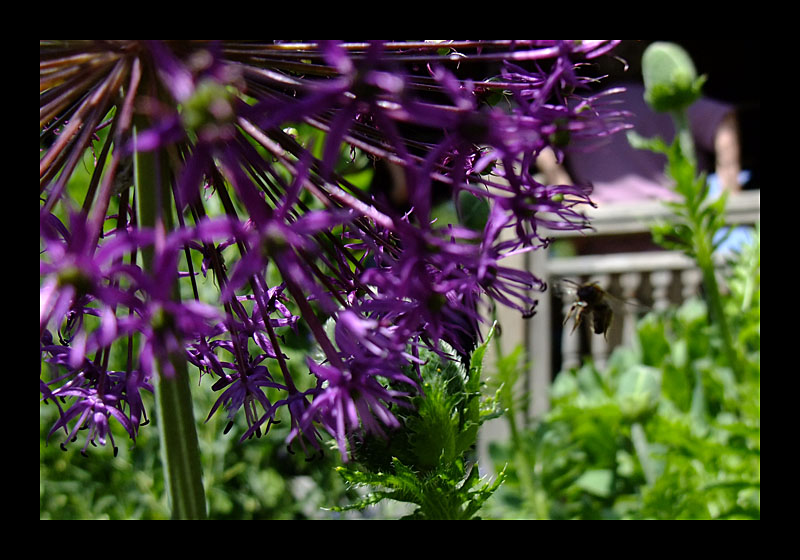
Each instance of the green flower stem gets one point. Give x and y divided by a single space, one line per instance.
177 429
706 264
703 243
534 499
702 235
684 135
179 446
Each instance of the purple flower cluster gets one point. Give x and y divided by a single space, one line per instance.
290 242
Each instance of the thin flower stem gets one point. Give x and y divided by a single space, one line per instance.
701 241
706 264
179 444
525 469
683 133
273 339
311 319
704 247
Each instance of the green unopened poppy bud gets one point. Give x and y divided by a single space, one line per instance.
670 77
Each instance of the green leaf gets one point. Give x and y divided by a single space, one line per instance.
429 454
670 232
597 482
473 212
639 142
476 360
638 390
652 335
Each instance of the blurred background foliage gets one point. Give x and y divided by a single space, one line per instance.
665 431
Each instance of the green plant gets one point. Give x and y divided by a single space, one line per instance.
665 431
428 461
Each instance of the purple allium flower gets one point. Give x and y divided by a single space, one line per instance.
98 396
244 391
290 240
348 400
92 411
303 429
168 325
78 270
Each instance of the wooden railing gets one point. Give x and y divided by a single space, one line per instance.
652 278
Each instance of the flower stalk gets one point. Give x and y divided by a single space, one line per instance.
705 260
180 451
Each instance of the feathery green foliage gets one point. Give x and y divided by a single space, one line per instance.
428 461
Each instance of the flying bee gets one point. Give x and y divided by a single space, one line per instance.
591 300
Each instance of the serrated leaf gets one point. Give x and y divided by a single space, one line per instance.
439 430
370 499
638 390
466 437
476 361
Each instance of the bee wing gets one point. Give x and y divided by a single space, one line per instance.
620 302
566 287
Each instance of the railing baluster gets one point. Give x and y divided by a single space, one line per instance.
630 282
690 283
660 280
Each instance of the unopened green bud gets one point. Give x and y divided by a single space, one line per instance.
670 77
